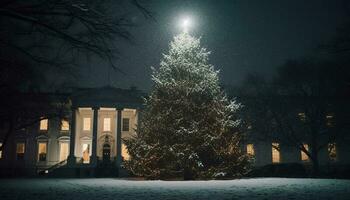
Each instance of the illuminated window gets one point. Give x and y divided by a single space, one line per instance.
64 150
42 151
275 153
44 124
86 123
0 150
20 149
249 127
329 120
126 124
332 151
302 116
304 156
64 125
106 124
86 153
250 149
125 153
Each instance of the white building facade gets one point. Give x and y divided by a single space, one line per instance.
89 142
92 136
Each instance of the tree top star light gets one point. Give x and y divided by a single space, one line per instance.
186 23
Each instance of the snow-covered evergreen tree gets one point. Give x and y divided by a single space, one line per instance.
188 128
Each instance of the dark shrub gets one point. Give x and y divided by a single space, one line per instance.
280 170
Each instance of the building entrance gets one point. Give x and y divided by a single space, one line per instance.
106 153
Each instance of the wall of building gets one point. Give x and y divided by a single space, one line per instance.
54 136
83 136
103 136
290 154
31 137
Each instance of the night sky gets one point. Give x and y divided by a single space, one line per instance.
244 36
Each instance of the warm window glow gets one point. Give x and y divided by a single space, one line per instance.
20 149
64 150
0 150
125 153
42 150
250 149
126 124
275 153
329 120
304 156
86 123
86 153
332 151
302 116
106 124
64 125
44 123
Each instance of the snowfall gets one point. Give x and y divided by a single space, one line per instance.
101 189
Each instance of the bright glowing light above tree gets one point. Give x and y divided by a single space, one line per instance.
186 23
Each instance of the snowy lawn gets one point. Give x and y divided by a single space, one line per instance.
261 188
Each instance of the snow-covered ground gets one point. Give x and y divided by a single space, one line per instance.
101 189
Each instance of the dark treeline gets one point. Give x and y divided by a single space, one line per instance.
44 41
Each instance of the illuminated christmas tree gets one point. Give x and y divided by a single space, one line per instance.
189 128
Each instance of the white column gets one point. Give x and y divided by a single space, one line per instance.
138 115
71 160
119 136
93 157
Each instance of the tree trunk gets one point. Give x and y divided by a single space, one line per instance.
188 174
314 152
315 164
